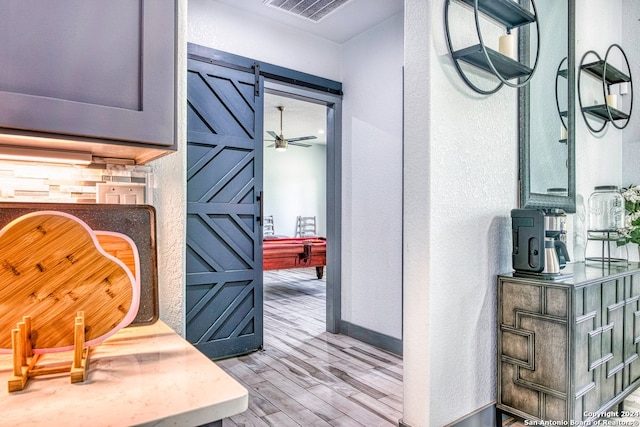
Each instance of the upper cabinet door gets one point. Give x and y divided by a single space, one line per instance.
89 69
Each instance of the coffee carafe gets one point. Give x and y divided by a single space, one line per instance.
539 247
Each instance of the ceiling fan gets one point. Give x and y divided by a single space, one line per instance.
281 143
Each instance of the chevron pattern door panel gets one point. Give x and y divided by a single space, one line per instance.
224 181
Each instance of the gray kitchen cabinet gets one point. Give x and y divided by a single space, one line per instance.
568 350
92 71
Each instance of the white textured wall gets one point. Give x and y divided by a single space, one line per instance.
417 262
460 184
170 202
295 184
372 181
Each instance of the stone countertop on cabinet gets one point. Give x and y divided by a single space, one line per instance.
143 375
585 273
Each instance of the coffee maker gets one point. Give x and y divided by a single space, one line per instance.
539 247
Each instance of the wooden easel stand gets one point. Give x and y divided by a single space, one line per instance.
25 361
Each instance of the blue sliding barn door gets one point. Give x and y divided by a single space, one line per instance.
224 184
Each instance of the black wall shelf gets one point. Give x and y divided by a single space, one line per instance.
600 111
609 75
613 76
506 12
507 67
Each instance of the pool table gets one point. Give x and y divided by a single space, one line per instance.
295 252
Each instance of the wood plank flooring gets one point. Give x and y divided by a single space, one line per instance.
306 376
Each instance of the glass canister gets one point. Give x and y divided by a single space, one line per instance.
606 212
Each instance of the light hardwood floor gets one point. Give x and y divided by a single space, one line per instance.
306 376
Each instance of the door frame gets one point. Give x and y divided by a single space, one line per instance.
314 89
333 273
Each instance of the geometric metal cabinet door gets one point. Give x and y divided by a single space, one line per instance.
224 183
568 350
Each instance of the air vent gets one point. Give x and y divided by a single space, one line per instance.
313 10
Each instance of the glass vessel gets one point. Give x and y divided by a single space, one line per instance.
606 213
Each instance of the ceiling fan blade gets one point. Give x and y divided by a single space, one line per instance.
272 145
299 144
302 138
273 134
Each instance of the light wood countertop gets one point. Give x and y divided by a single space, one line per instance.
143 375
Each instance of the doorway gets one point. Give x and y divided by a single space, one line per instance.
294 200
308 112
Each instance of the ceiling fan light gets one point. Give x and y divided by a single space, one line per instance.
281 145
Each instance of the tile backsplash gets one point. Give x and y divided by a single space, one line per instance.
40 183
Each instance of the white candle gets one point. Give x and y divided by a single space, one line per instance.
612 100
563 132
507 46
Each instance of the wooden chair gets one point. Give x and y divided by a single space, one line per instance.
306 226
268 226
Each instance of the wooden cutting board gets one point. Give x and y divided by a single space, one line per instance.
137 222
122 247
51 267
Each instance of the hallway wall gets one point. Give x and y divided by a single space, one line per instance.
372 182
460 174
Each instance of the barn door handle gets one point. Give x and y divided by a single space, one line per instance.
261 214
